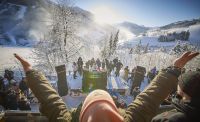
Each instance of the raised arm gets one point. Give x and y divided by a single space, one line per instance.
52 105
144 107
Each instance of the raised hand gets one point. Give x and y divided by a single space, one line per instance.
183 59
26 65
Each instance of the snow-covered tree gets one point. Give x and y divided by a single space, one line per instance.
110 46
60 44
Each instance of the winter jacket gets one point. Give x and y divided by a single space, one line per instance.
23 86
75 68
183 112
142 109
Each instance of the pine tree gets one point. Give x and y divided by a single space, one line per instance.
110 45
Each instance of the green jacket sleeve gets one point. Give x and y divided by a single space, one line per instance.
52 104
144 107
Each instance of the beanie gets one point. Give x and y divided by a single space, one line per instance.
189 83
99 105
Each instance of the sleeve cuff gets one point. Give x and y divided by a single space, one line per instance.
173 70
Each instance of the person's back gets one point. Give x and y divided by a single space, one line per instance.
11 100
2 85
99 106
23 104
22 85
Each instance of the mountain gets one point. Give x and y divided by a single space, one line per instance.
24 22
21 22
134 28
150 37
181 24
193 26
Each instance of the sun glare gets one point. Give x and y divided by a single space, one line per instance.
106 15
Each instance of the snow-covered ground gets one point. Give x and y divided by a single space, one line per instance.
151 41
113 84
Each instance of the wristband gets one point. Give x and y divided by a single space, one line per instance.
176 71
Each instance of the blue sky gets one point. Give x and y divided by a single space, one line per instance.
144 12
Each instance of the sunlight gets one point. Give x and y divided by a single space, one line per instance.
106 15
125 35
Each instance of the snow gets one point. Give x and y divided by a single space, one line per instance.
74 83
112 83
151 41
73 101
194 32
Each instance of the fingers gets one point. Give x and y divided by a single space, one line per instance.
183 59
19 58
192 55
26 65
189 55
185 54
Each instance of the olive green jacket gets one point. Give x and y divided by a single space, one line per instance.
142 109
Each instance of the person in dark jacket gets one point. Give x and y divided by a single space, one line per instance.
75 68
119 65
87 65
103 64
80 65
187 104
23 104
107 63
115 61
23 87
2 85
109 68
11 100
92 62
98 105
98 62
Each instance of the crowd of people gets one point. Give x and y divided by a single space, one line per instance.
97 65
134 77
174 83
13 95
99 106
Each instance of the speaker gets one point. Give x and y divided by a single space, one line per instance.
62 80
139 74
140 69
94 80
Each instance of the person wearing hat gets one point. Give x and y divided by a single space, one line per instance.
187 104
98 105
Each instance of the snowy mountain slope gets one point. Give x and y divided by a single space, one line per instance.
151 41
193 29
134 28
151 35
181 24
21 22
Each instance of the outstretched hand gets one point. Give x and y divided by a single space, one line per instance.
183 59
26 65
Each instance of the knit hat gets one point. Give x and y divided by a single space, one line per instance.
189 83
99 106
